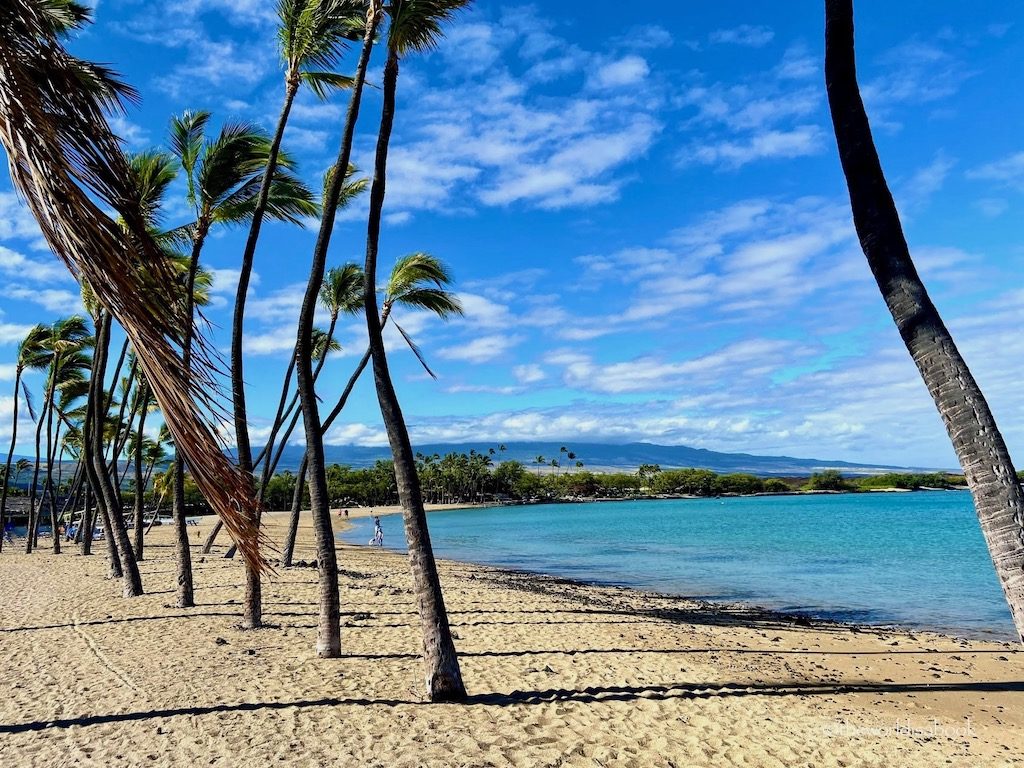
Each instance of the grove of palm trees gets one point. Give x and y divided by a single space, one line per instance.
174 589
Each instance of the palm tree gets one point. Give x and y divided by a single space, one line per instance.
417 281
29 356
69 383
976 438
144 404
68 165
328 625
415 26
63 340
224 178
311 34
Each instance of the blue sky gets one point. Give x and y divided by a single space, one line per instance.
645 216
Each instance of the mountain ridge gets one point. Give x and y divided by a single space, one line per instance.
604 457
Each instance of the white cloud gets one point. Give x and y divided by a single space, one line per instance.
745 34
1008 170
482 349
529 374
629 70
51 299
13 333
271 342
799 142
16 220
18 265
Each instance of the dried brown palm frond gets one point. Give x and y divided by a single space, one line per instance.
66 162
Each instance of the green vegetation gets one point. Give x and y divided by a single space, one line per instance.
458 478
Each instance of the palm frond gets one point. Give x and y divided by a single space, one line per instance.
418 25
350 189
323 84
441 303
322 344
187 132
314 33
27 394
289 200
154 172
65 162
342 289
415 350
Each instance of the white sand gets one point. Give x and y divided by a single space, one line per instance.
559 674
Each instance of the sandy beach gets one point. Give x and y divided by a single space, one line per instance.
559 674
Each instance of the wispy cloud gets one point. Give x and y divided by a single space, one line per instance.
745 34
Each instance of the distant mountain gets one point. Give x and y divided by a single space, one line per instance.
603 457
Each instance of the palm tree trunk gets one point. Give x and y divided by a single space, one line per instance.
268 468
140 485
109 397
117 534
329 624
85 526
186 597
443 676
244 275
48 489
88 452
293 522
976 438
253 611
32 534
10 456
183 554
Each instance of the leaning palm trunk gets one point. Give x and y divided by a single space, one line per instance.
89 455
117 533
293 522
328 642
288 551
10 455
976 438
443 676
140 483
253 610
186 597
59 145
32 534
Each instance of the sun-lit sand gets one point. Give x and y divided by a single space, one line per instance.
559 675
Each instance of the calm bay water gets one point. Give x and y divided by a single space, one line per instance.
916 559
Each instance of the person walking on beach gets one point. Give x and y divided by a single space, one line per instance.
378 533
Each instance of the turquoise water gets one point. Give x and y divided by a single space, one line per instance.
916 559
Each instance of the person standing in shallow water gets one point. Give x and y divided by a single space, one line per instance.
378 533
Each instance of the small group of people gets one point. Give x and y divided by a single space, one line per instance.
378 533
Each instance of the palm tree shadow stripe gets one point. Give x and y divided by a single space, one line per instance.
519 698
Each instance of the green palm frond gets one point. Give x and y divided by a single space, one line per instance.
314 33
187 131
289 200
64 16
323 84
31 352
321 346
417 273
418 25
153 172
350 190
440 302
342 289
